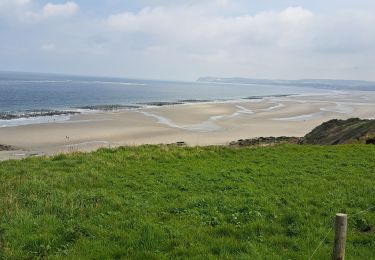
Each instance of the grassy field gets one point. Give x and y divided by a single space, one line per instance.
159 202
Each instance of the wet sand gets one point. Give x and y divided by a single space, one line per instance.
196 124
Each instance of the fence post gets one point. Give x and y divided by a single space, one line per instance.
341 225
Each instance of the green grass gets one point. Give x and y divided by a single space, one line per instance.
158 202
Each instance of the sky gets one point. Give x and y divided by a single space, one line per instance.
188 39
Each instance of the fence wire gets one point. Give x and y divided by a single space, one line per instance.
330 230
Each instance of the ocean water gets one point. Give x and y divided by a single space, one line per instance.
23 93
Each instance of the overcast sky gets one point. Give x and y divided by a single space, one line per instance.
184 40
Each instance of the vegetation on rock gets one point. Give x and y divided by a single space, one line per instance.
353 130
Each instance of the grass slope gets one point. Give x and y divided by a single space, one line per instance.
156 202
335 131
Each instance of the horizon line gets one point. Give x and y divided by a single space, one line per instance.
181 80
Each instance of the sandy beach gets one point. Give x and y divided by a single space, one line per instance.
196 124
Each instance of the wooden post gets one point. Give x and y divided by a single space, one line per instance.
340 236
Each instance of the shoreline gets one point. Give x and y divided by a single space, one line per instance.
200 123
36 116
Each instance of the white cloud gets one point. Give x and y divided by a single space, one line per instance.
14 2
25 11
293 42
189 26
48 47
22 2
49 10
212 37
222 2
66 9
14 9
345 33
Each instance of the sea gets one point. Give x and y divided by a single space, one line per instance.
29 98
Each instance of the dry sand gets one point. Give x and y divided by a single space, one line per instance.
195 124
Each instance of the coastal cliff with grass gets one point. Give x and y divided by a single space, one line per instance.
166 201
332 132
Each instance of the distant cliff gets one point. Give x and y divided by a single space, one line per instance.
307 83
